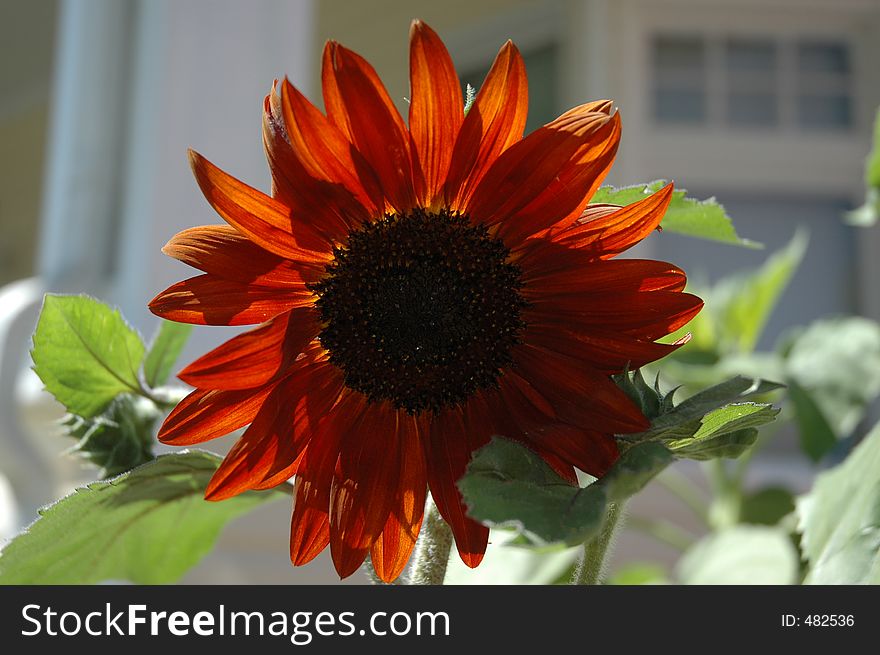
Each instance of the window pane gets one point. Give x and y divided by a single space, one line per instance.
679 106
819 57
679 80
679 55
752 109
825 111
751 56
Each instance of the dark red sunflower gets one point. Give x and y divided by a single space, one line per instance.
417 289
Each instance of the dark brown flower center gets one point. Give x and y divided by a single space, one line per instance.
420 309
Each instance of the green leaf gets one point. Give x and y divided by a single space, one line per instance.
868 214
636 467
839 519
837 361
753 555
817 437
726 432
85 353
686 419
149 526
741 305
767 506
164 351
705 219
639 573
119 439
508 485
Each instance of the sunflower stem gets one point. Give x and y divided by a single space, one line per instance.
592 566
432 549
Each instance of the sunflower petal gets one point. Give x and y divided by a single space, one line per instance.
436 110
206 414
328 207
256 357
375 125
278 435
547 179
364 487
605 230
583 277
209 300
310 525
580 396
609 353
264 220
224 252
391 551
495 122
647 316
448 447
336 173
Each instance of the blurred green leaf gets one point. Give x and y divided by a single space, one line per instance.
149 526
505 565
868 213
639 573
119 439
506 484
837 361
742 304
767 506
753 555
85 353
839 519
705 219
817 437
167 344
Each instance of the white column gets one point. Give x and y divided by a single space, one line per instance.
86 134
202 68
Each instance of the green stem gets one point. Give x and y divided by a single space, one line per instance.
725 510
663 531
432 549
686 491
591 567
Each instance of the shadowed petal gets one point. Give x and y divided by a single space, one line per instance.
310 525
264 220
364 487
436 110
584 277
606 230
335 173
547 179
224 252
495 122
208 300
608 353
279 433
207 414
375 126
450 440
391 551
646 316
579 395
257 356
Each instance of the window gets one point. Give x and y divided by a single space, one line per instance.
752 82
